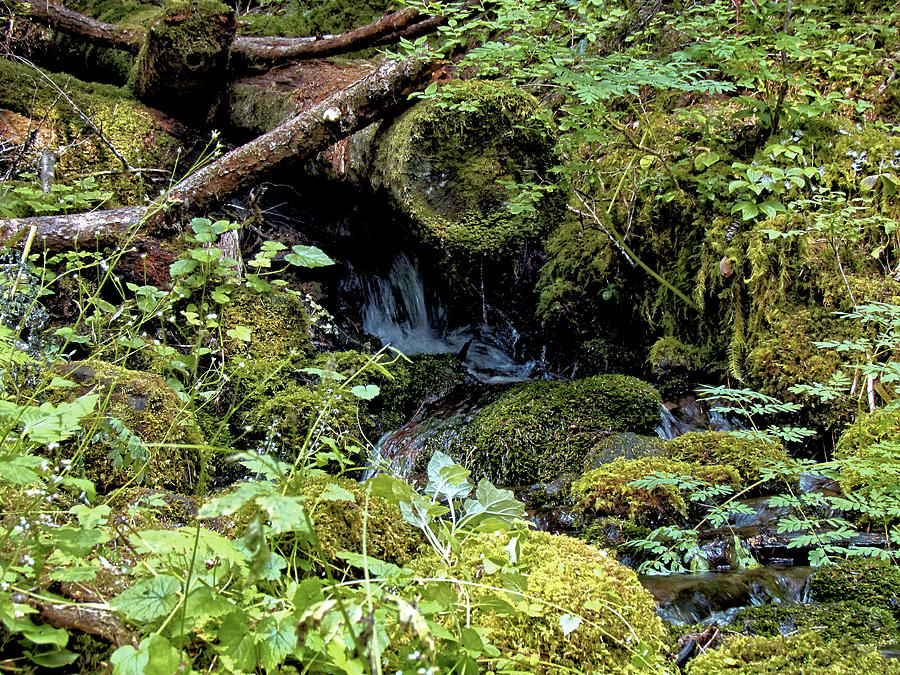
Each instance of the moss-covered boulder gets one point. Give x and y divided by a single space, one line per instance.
746 455
278 323
835 621
870 581
182 65
447 161
562 576
338 523
540 430
139 133
800 654
607 491
869 450
623 445
135 409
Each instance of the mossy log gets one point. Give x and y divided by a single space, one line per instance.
381 92
182 65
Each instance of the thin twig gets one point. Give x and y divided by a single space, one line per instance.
643 148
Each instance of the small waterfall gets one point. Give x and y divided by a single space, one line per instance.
399 311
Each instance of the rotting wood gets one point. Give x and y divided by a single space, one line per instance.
127 38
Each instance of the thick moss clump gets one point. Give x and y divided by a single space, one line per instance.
135 131
541 430
869 450
446 160
181 66
278 323
149 410
339 524
319 17
870 581
606 491
800 654
834 621
747 455
566 573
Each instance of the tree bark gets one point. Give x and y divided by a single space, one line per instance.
128 38
382 92
269 51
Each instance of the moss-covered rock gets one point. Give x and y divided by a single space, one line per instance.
181 66
563 575
339 524
623 445
870 581
537 431
799 654
869 450
607 491
446 160
278 323
835 621
746 455
149 410
137 132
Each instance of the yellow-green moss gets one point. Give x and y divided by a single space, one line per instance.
835 621
870 581
563 575
443 161
277 321
314 17
746 455
339 524
132 128
867 448
148 408
541 430
799 654
606 491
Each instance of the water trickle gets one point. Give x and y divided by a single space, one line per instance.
399 310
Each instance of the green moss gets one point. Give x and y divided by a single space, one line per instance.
746 455
322 17
149 409
799 654
624 445
424 376
670 352
541 430
564 575
606 491
443 161
132 128
339 524
869 581
836 621
181 65
868 448
278 323
259 110
148 509
119 11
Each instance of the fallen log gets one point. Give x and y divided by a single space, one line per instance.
407 23
127 38
382 92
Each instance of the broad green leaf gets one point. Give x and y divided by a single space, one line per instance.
181 267
367 392
239 333
154 656
52 659
569 622
149 599
392 489
21 470
447 478
275 640
335 493
308 256
491 502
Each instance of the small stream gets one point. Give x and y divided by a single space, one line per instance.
398 308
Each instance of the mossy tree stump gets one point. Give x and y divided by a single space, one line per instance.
182 66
